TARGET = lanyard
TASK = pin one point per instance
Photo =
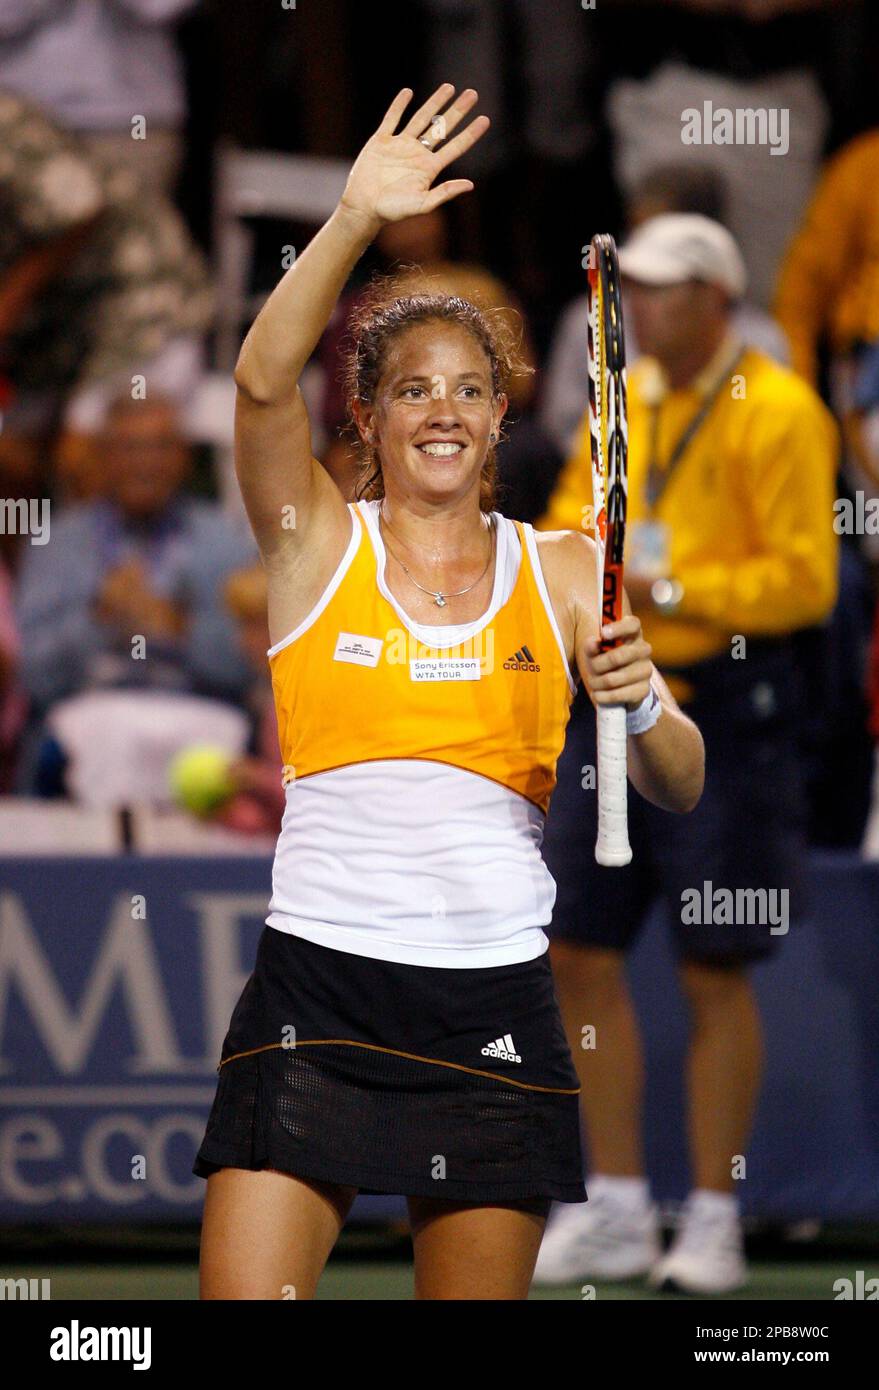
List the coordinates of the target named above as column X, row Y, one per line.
column 659, row 478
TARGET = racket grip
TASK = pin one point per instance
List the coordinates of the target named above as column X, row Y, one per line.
column 612, row 846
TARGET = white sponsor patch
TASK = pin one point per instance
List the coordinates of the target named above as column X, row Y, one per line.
column 362, row 651
column 445, row 668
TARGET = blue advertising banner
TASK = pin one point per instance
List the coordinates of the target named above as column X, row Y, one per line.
column 117, row 980
column 118, row 977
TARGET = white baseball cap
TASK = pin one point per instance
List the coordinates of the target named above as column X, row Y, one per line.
column 679, row 246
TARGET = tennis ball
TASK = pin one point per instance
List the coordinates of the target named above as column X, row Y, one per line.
column 200, row 778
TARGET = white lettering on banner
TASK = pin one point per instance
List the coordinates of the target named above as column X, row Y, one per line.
column 223, row 976
column 29, row 1139
column 126, row 957
column 149, row 1138
column 57, row 1159
column 101, row 1182
column 445, row 668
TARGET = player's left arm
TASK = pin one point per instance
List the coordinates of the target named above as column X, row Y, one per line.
column 666, row 763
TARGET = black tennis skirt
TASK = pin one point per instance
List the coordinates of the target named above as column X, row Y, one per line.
column 414, row 1080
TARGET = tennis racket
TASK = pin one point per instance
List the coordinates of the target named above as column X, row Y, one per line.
column 606, row 358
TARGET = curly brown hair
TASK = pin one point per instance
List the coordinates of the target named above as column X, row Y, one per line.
column 380, row 316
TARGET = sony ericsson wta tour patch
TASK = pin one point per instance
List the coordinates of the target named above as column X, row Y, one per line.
column 362, row 651
column 445, row 668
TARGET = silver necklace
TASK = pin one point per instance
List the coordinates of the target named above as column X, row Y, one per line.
column 437, row 595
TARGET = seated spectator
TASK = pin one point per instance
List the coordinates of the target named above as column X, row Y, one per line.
column 126, row 592
column 666, row 188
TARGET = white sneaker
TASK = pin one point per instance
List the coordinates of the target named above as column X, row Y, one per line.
column 707, row 1255
column 603, row 1238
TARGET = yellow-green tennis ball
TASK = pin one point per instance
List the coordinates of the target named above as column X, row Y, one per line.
column 200, row 778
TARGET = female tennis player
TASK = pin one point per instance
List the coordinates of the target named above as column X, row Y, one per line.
column 400, row 1032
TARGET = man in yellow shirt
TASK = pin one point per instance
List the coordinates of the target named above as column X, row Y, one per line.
column 730, row 549
column 828, row 285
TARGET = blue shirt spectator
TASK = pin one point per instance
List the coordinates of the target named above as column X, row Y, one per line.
column 127, row 591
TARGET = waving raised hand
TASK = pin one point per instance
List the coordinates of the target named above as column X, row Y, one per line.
column 392, row 176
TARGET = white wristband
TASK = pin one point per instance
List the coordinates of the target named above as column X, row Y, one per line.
column 639, row 720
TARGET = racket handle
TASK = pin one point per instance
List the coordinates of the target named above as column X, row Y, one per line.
column 612, row 846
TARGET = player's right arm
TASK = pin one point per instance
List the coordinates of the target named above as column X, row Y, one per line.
column 298, row 516
column 289, row 498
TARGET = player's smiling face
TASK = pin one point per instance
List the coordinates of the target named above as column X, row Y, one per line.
column 434, row 412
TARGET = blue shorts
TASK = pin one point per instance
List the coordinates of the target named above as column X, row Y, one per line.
column 748, row 831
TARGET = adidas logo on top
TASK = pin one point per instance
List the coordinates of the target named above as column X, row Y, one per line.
column 504, row 1048
column 522, row 660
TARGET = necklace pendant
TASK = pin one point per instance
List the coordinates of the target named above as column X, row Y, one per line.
column 440, row 601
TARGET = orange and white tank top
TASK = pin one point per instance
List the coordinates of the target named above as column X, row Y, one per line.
column 419, row 764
